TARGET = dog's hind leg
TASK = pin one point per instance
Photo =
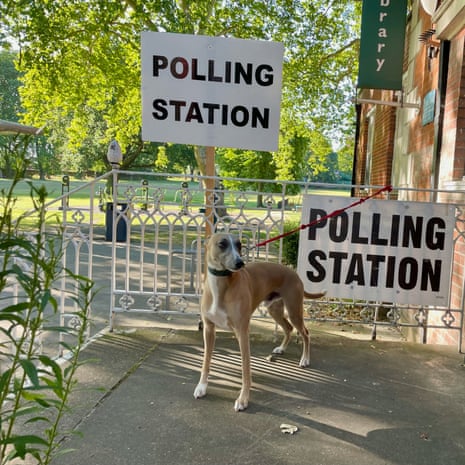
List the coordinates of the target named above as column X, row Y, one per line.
column 209, row 344
column 299, row 324
column 276, row 310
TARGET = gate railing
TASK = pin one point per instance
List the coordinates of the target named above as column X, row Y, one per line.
column 144, row 246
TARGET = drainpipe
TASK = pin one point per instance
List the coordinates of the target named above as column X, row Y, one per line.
column 358, row 111
column 439, row 117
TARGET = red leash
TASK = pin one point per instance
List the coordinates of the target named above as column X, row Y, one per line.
column 323, row 218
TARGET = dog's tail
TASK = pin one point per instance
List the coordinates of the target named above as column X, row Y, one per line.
column 315, row 295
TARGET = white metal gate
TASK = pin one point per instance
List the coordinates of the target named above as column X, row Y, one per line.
column 143, row 247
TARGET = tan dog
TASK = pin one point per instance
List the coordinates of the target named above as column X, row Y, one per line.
column 232, row 291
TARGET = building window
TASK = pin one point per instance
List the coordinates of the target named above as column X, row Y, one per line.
column 370, row 144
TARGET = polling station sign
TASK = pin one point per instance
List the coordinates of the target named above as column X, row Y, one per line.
column 212, row 91
column 381, row 250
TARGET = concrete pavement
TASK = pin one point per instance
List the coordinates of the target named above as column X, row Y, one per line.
column 361, row 402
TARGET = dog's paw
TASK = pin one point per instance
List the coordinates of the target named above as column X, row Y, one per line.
column 200, row 390
column 304, row 362
column 240, row 405
column 278, row 350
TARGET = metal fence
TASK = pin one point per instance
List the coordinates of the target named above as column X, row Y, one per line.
column 143, row 247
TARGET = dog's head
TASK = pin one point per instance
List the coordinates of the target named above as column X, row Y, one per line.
column 224, row 252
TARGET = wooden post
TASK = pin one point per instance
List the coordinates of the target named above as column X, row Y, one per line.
column 209, row 190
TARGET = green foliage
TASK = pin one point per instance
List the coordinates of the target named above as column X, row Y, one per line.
column 81, row 65
column 34, row 387
column 174, row 158
column 10, row 105
column 245, row 164
column 291, row 244
column 9, row 109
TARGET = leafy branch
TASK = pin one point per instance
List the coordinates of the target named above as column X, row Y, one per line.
column 34, row 387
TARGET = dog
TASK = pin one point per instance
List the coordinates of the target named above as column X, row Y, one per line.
column 232, row 291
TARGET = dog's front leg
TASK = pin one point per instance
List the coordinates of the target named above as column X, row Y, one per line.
column 208, row 344
column 242, row 401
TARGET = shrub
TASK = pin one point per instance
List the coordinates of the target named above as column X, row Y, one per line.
column 291, row 244
column 34, row 387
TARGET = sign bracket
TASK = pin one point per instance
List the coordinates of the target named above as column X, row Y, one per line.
column 401, row 104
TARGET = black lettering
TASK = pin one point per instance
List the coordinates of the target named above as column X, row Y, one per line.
column 158, row 62
column 314, row 217
column 408, row 273
column 215, row 113
column 211, row 107
column 374, row 271
column 375, row 239
column 435, row 239
column 194, row 113
column 339, row 227
column 394, row 242
column 433, row 276
column 195, row 72
column 177, row 104
column 159, row 105
column 227, row 72
column 264, row 75
column 412, row 231
column 319, row 273
column 184, row 67
column 235, row 116
column 355, row 272
column 211, row 72
column 390, row 271
column 224, row 115
column 263, row 118
column 244, row 73
column 356, row 238
column 338, row 257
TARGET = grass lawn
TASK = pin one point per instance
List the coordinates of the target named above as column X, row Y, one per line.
column 171, row 188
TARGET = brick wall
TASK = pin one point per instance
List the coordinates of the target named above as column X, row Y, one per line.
column 383, row 142
column 457, row 99
column 417, row 145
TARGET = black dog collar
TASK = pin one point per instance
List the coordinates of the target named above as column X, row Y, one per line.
column 219, row 272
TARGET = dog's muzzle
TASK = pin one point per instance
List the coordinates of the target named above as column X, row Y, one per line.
column 239, row 264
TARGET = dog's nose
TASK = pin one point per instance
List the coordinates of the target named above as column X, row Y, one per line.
column 239, row 263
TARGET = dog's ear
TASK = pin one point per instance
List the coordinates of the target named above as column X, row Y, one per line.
column 206, row 242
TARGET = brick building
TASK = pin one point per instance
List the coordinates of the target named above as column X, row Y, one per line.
column 415, row 137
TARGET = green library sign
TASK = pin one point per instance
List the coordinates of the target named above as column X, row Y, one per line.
column 382, row 44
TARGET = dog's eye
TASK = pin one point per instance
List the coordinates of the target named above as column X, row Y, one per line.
column 238, row 246
column 223, row 245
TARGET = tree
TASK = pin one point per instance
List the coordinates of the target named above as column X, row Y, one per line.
column 9, row 109
column 10, row 105
column 246, row 164
column 82, row 58
column 326, row 165
column 40, row 151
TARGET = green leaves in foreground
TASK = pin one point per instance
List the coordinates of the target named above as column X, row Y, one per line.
column 35, row 386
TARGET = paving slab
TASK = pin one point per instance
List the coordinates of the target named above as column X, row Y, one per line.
column 361, row 402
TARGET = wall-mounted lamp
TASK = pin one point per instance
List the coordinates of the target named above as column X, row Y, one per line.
column 432, row 47
column 433, row 51
column 114, row 154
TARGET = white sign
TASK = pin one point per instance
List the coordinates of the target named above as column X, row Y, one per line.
column 211, row 91
column 381, row 250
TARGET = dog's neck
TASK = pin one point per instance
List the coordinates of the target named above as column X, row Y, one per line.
column 221, row 273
